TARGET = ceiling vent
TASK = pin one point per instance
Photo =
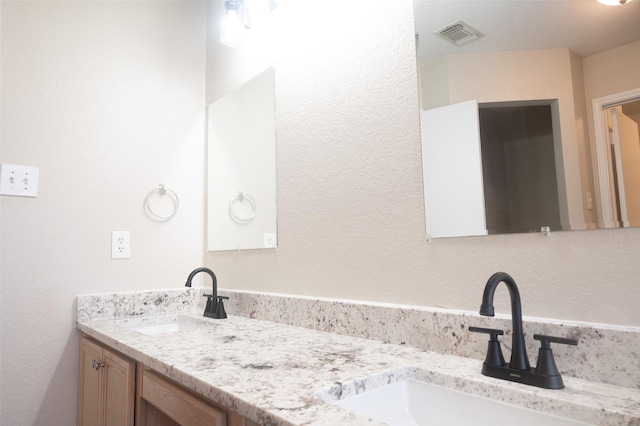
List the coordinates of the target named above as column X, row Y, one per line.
column 459, row 33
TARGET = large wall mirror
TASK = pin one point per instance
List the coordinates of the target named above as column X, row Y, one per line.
column 241, row 182
column 506, row 112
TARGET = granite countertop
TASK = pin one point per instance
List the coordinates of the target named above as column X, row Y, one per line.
column 278, row 374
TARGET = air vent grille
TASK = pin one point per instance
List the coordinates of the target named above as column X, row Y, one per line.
column 459, row 33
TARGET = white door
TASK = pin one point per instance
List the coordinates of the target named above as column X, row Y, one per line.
column 625, row 139
column 452, row 171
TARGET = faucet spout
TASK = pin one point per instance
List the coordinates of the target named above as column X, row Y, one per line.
column 215, row 307
column 519, row 359
column 208, row 271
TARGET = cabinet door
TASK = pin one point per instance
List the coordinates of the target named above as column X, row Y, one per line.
column 106, row 387
column 89, row 384
column 119, row 389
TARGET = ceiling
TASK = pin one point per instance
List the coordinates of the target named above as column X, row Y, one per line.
column 584, row 26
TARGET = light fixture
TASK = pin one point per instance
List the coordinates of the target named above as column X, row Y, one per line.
column 613, row 2
column 241, row 15
column 232, row 24
column 255, row 11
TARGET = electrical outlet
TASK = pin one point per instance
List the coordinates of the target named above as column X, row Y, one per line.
column 120, row 244
column 19, row 181
column 270, row 240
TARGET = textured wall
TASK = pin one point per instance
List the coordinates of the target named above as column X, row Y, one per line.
column 350, row 209
column 107, row 99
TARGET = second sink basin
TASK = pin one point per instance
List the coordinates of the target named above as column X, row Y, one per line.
column 411, row 402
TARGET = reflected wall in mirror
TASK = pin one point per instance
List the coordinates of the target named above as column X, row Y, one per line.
column 558, row 53
column 242, row 167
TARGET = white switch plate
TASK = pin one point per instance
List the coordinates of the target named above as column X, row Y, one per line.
column 120, row 244
column 18, row 181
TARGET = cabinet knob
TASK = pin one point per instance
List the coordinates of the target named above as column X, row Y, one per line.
column 97, row 365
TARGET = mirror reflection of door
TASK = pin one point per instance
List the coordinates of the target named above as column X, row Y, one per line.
column 501, row 167
column 451, row 154
column 624, row 132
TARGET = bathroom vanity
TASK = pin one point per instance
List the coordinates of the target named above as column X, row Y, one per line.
column 112, row 384
column 246, row 371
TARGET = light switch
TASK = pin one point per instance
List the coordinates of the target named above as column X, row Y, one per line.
column 18, row 181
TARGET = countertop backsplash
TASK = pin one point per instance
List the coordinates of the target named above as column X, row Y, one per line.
column 605, row 353
column 137, row 303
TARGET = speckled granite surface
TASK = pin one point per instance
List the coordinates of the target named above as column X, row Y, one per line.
column 277, row 374
column 137, row 303
column 604, row 353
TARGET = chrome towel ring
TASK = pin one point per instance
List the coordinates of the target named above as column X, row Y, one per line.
column 242, row 197
column 161, row 191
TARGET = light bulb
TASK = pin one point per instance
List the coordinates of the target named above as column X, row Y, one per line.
column 232, row 25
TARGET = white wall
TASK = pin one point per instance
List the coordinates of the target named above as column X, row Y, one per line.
column 597, row 71
column 229, row 68
column 107, row 99
column 350, row 215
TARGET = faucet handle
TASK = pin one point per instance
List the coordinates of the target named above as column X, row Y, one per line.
column 220, row 312
column 494, row 352
column 210, row 296
column 492, row 332
column 546, row 364
column 545, row 340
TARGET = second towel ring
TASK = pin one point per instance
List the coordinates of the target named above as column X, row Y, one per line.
column 161, row 191
column 241, row 197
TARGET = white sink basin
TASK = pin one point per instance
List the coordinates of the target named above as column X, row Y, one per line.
column 169, row 324
column 170, row 327
column 410, row 402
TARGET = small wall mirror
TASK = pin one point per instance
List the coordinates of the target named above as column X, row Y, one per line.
column 242, row 167
column 505, row 116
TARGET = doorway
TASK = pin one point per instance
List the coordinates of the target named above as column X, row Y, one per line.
column 617, row 164
column 624, row 137
column 519, row 167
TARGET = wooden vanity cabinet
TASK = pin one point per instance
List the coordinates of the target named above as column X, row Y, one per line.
column 106, row 386
column 115, row 391
column 162, row 402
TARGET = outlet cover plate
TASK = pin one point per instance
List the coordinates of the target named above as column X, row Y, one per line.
column 120, row 244
column 270, row 240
